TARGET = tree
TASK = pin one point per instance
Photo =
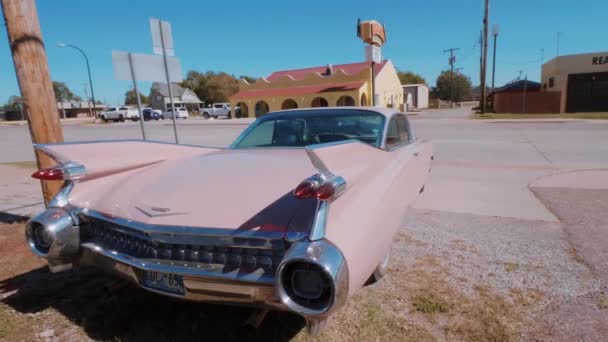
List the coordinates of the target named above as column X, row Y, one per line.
column 15, row 103
column 131, row 98
column 461, row 87
column 211, row 86
column 408, row 77
column 63, row 93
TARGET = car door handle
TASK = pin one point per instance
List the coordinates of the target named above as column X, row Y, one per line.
column 416, row 154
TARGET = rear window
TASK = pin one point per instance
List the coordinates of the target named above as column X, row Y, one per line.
column 314, row 127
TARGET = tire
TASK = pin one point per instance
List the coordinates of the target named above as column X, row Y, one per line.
column 206, row 115
column 215, row 116
column 104, row 119
column 380, row 270
column 121, row 118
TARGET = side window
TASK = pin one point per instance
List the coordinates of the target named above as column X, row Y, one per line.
column 260, row 135
column 404, row 129
column 392, row 134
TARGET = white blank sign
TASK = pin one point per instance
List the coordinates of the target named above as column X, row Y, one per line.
column 155, row 28
column 147, row 67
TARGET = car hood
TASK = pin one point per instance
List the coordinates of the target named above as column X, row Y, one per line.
column 229, row 189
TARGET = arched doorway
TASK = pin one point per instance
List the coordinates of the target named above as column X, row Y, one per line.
column 261, row 108
column 345, row 101
column 241, row 110
column 363, row 99
column 289, row 104
column 319, row 102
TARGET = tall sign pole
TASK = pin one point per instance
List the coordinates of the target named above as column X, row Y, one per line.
column 485, row 56
column 372, row 33
column 31, row 67
column 141, row 115
column 173, row 114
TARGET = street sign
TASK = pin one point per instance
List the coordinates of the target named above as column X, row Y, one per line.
column 146, row 67
column 161, row 32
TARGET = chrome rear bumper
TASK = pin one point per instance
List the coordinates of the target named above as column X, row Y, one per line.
column 199, row 285
column 241, row 267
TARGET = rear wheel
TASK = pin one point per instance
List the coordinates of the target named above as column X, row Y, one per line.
column 206, row 115
column 121, row 118
column 104, row 119
column 380, row 270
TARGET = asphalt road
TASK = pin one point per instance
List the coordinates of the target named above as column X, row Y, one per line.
column 511, row 205
column 481, row 167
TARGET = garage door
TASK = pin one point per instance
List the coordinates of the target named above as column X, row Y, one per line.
column 587, row 92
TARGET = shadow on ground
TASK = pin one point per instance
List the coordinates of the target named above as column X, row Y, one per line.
column 112, row 309
column 12, row 218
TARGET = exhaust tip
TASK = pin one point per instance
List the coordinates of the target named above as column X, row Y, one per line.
column 52, row 234
column 39, row 238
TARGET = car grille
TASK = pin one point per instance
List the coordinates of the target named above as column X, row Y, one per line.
column 231, row 253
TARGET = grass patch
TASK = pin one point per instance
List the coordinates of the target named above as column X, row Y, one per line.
column 511, row 266
column 27, row 164
column 489, row 318
column 14, row 326
column 430, row 303
column 602, row 301
column 589, row 116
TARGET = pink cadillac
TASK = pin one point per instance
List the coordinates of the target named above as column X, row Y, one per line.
column 299, row 214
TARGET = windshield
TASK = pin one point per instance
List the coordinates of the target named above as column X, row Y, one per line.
column 297, row 129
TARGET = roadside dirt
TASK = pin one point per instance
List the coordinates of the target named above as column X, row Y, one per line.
column 452, row 277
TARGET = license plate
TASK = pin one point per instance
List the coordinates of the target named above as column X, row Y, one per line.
column 166, row 282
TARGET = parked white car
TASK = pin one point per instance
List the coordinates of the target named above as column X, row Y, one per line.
column 217, row 110
column 181, row 113
column 120, row 114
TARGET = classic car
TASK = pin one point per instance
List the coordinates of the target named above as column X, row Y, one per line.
column 299, row 215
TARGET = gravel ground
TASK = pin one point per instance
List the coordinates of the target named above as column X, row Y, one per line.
column 501, row 252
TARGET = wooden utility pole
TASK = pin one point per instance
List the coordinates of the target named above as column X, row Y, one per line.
column 451, row 61
column 485, row 56
column 31, row 67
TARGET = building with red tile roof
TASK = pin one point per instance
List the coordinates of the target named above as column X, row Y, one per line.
column 322, row 86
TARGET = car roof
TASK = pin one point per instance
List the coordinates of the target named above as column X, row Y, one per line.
column 387, row 112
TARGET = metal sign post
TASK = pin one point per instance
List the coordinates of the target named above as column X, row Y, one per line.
column 162, row 42
column 141, row 114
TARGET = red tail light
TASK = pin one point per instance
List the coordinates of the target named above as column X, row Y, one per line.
column 53, row 173
column 323, row 190
column 67, row 171
column 305, row 190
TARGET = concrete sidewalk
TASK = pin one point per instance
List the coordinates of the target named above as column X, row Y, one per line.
column 20, row 195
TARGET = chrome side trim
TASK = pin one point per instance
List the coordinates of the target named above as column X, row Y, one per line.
column 44, row 147
column 62, row 198
column 327, row 256
column 73, row 170
column 318, row 227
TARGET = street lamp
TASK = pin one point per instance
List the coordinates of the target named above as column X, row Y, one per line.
column 62, row 45
column 495, row 30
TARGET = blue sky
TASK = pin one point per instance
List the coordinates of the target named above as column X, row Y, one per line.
column 257, row 37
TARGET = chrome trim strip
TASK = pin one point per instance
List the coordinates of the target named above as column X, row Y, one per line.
column 184, row 269
column 326, row 255
column 62, row 198
column 73, row 170
column 45, row 146
column 318, row 227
